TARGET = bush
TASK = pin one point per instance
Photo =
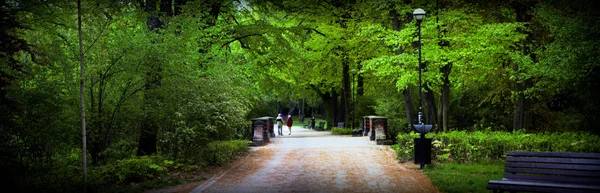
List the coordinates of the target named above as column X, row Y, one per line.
column 483, row 146
column 221, row 152
column 130, row 170
column 341, row 131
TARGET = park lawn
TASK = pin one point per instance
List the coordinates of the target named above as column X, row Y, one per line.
column 464, row 177
column 306, row 121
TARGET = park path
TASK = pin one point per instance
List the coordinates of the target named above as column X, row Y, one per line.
column 316, row 161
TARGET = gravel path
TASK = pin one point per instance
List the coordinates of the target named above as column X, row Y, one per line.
column 313, row 161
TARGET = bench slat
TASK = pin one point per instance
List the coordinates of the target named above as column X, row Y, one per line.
column 540, row 187
column 554, row 154
column 553, row 160
column 553, row 172
column 567, row 179
column 553, row 166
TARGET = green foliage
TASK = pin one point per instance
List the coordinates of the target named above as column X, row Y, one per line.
column 341, row 131
column 464, row 146
column 463, row 177
column 130, row 170
column 221, row 152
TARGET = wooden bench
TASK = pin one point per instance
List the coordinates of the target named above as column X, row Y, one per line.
column 549, row 172
column 340, row 124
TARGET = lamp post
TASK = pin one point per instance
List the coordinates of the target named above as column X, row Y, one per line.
column 419, row 15
column 422, row 145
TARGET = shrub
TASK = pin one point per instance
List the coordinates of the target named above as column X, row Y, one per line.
column 482, row 146
column 130, row 170
column 341, row 131
column 221, row 152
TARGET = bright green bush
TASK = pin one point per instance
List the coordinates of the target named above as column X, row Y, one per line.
column 130, row 170
column 482, row 146
column 341, row 131
column 221, row 152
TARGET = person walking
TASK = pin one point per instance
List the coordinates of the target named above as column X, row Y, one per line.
column 279, row 122
column 289, row 123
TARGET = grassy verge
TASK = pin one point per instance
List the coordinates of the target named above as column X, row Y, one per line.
column 341, row 131
column 306, row 121
column 464, row 177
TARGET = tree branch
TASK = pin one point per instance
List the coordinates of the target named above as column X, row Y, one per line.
column 238, row 38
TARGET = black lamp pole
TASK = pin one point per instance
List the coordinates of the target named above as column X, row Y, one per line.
column 420, row 69
column 419, row 15
column 422, row 146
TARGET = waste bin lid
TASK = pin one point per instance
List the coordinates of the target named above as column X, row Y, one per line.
column 262, row 118
column 423, row 128
column 375, row 117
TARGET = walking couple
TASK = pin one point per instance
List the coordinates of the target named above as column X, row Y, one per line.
column 288, row 122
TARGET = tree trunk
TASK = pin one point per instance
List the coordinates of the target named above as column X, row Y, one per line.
column 333, row 105
column 149, row 127
column 446, row 69
column 360, row 84
column 408, row 104
column 345, row 102
column 301, row 112
column 430, row 108
column 81, row 98
column 521, row 114
column 178, row 5
column 446, row 98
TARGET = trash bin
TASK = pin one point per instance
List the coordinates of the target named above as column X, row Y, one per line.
column 422, row 145
column 366, row 127
column 422, row 151
column 259, row 133
column 376, row 128
column 269, row 125
column 380, row 128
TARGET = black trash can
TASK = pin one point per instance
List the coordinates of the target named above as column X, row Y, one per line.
column 422, row 151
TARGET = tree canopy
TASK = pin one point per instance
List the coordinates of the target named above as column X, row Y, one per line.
column 168, row 77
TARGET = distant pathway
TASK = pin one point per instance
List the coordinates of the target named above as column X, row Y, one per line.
column 313, row 161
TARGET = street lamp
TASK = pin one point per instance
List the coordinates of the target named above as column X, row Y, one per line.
column 422, row 146
column 419, row 15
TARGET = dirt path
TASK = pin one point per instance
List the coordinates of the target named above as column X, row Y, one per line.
column 311, row 161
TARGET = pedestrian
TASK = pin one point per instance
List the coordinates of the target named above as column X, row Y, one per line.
column 289, row 123
column 279, row 122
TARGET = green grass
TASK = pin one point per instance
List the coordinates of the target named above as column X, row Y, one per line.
column 341, row 131
column 464, row 177
column 306, row 121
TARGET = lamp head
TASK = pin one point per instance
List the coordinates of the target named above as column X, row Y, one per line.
column 419, row 14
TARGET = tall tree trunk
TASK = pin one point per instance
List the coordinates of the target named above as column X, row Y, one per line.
column 446, row 69
column 360, row 84
column 345, row 102
column 149, row 126
column 81, row 98
column 430, row 107
column 166, row 7
column 178, row 4
column 408, row 104
column 301, row 111
column 445, row 98
column 292, row 106
column 333, row 106
column 521, row 114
